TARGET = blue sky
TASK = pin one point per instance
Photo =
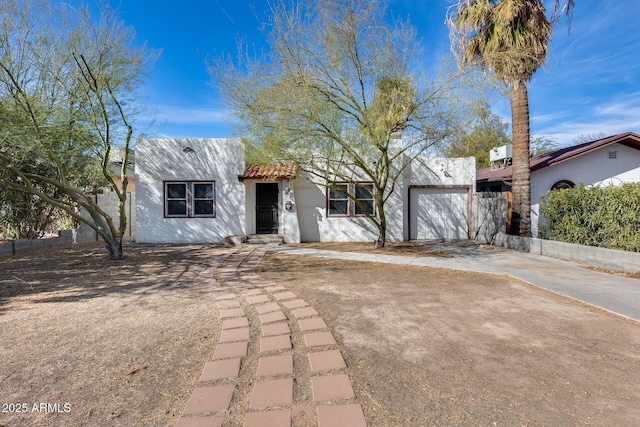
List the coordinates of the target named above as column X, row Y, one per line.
column 590, row 83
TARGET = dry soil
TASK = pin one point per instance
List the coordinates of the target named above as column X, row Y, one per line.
column 103, row 343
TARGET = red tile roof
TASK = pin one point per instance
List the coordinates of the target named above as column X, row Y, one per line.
column 552, row 158
column 271, row 172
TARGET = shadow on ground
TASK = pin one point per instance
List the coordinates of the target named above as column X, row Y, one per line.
column 84, row 272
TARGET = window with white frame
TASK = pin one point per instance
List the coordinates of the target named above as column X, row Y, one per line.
column 187, row 199
column 350, row 199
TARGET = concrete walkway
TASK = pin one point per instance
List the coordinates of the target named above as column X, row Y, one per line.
column 612, row 293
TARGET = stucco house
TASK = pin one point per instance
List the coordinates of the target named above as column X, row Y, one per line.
column 200, row 191
column 608, row 161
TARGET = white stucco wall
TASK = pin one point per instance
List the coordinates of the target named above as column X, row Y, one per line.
column 250, row 206
column 594, row 168
column 289, row 226
column 443, row 171
column 160, row 160
column 311, row 204
column 315, row 226
column 222, row 161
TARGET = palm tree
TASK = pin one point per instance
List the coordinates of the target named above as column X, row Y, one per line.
column 509, row 38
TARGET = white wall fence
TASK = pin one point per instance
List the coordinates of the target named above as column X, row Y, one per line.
column 84, row 234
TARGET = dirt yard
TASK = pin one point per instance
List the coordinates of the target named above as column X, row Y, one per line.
column 437, row 347
column 103, row 343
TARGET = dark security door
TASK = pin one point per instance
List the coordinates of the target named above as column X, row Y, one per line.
column 267, row 208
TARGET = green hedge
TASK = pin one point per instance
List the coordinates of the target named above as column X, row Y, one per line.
column 607, row 217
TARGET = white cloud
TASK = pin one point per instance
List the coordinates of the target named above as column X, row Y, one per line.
column 626, row 106
column 552, row 117
column 620, row 114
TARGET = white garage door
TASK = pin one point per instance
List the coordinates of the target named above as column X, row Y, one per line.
column 439, row 213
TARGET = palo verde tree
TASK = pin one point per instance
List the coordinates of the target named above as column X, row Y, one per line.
column 337, row 85
column 67, row 86
column 509, row 38
column 22, row 215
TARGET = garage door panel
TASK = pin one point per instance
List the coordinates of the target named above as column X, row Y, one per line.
column 439, row 213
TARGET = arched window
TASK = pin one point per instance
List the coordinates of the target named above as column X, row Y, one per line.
column 564, row 184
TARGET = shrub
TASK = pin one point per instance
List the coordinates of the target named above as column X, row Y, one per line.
column 607, row 217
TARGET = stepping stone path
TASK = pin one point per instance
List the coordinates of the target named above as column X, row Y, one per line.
column 276, row 363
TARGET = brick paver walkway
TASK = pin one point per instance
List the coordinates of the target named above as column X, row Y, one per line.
column 275, row 359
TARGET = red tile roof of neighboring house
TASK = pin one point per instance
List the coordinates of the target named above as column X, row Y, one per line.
column 270, row 172
column 551, row 158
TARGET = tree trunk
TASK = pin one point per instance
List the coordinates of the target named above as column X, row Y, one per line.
column 114, row 247
column 521, row 175
column 381, row 223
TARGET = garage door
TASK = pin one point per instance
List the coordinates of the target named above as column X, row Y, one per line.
column 439, row 213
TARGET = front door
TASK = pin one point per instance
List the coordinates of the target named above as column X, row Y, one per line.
column 267, row 208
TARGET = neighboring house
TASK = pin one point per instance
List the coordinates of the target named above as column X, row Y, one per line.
column 199, row 190
column 608, row 161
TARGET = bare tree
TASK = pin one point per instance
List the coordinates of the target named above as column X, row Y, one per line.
column 336, row 88
column 542, row 144
column 588, row 137
column 70, row 80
